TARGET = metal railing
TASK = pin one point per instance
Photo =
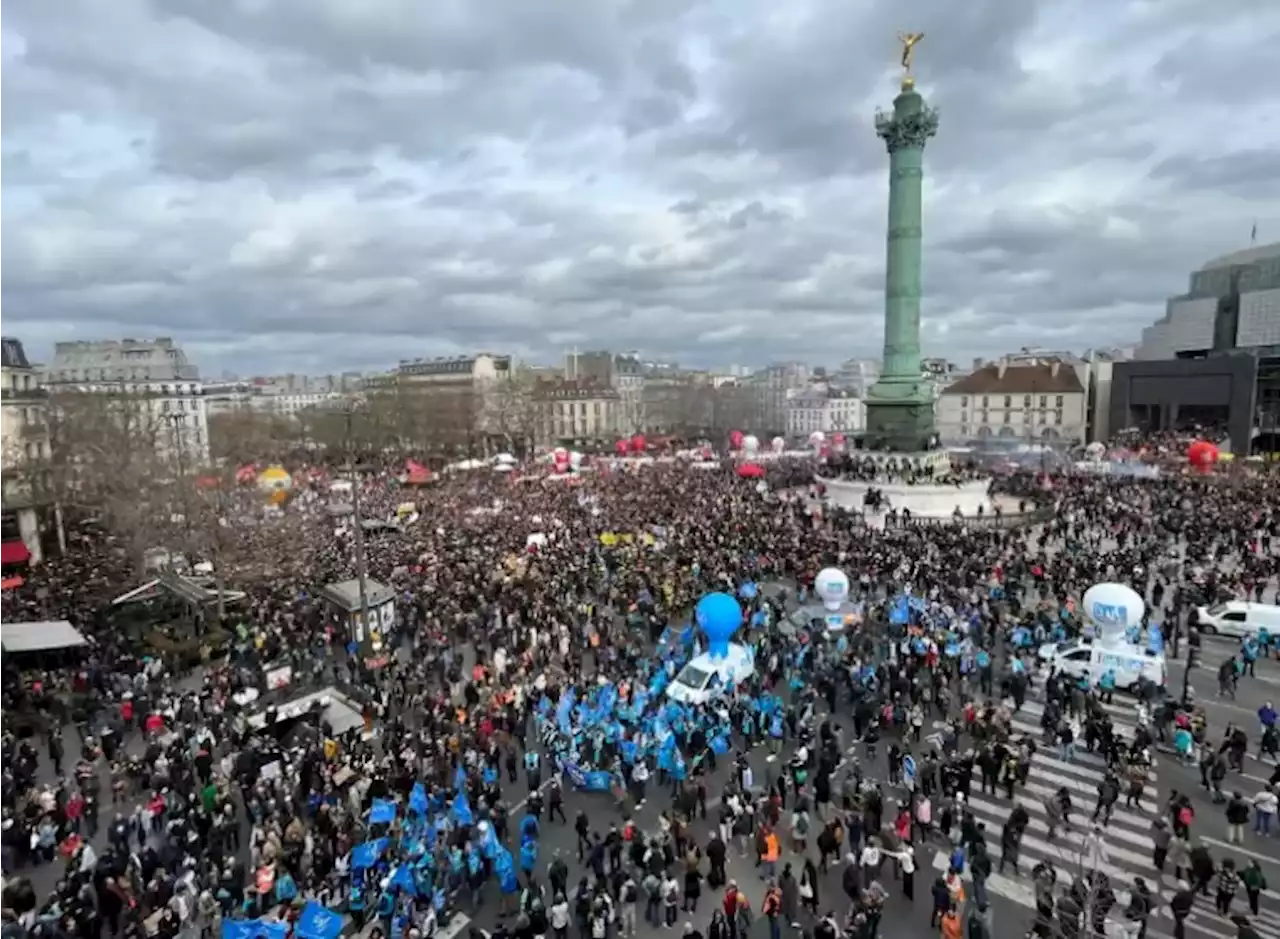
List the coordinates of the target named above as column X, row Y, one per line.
column 990, row 520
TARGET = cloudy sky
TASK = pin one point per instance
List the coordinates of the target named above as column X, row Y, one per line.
column 312, row 185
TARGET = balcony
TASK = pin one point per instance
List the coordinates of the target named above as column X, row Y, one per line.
column 23, row 395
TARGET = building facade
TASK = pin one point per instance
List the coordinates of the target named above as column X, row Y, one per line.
column 1219, row 395
column 1232, row 302
column 771, row 388
column 581, row 414
column 280, row 395
column 24, row 444
column 856, row 376
column 154, row 375
column 468, row 371
column 1038, row 403
column 628, row 381
column 826, row 409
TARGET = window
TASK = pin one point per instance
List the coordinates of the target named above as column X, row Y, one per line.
column 1026, row 401
column 1008, row 416
column 1044, row 401
column 964, row 417
column 1058, row 402
column 964, row 401
column 1043, row 418
column 1057, row 417
column 964, row 430
column 1008, row 401
column 985, row 418
column 1026, row 417
column 985, row 401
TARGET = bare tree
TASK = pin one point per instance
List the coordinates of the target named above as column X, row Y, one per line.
column 693, row 409
column 109, row 457
column 246, row 435
column 509, row 413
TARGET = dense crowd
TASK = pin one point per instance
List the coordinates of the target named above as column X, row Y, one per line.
column 162, row 812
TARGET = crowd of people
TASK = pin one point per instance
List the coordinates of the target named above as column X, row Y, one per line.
column 160, row 810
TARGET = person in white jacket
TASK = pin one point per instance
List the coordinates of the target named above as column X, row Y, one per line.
column 1265, row 804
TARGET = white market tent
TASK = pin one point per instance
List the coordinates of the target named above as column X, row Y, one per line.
column 40, row 637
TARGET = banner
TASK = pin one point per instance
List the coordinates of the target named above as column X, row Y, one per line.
column 254, row 929
column 587, row 780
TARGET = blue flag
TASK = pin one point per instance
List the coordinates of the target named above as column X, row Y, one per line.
column 383, row 812
column 418, row 799
column 367, row 854
column 462, row 810
column 318, row 922
column 459, row 778
column 402, row 877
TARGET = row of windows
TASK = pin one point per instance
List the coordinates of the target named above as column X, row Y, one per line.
column 984, row 417
column 566, row 408
column 1047, row 433
column 1058, row 401
column 164, row 391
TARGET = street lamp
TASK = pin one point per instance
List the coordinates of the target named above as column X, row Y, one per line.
column 357, row 521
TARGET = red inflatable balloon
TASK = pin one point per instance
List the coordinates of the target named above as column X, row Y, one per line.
column 751, row 471
column 638, row 443
column 735, row 439
column 1202, row 453
column 621, row 447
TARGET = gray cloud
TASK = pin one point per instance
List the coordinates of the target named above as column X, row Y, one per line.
column 316, row 185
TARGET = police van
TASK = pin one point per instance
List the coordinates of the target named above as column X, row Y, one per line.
column 1093, row 658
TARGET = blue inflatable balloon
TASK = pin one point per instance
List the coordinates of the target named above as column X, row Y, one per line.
column 718, row 616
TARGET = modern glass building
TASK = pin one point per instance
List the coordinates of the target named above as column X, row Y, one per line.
column 1233, row 304
column 1213, row 359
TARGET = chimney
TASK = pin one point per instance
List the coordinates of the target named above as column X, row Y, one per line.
column 1002, row 367
column 1053, row 368
column 977, row 363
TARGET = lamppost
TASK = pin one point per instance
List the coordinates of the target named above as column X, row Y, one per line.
column 358, row 523
column 177, row 430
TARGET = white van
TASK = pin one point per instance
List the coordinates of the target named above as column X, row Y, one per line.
column 1092, row 659
column 705, row 678
column 1239, row 619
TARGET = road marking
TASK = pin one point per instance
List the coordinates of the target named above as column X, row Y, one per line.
column 1226, row 846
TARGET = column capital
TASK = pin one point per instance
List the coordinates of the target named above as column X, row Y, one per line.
column 910, row 125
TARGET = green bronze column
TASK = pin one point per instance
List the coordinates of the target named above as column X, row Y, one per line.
column 900, row 404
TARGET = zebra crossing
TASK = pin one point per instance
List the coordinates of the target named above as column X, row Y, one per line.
column 1127, row 846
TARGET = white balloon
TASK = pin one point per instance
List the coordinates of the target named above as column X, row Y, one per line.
column 778, row 444
column 817, row 437
column 1113, row 608
column 750, row 443
column 575, row 459
column 832, row 587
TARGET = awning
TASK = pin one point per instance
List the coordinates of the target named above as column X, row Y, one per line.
column 14, row 552
column 39, row 637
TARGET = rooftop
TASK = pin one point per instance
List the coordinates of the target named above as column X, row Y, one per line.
column 1002, row 378
column 1245, row 256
